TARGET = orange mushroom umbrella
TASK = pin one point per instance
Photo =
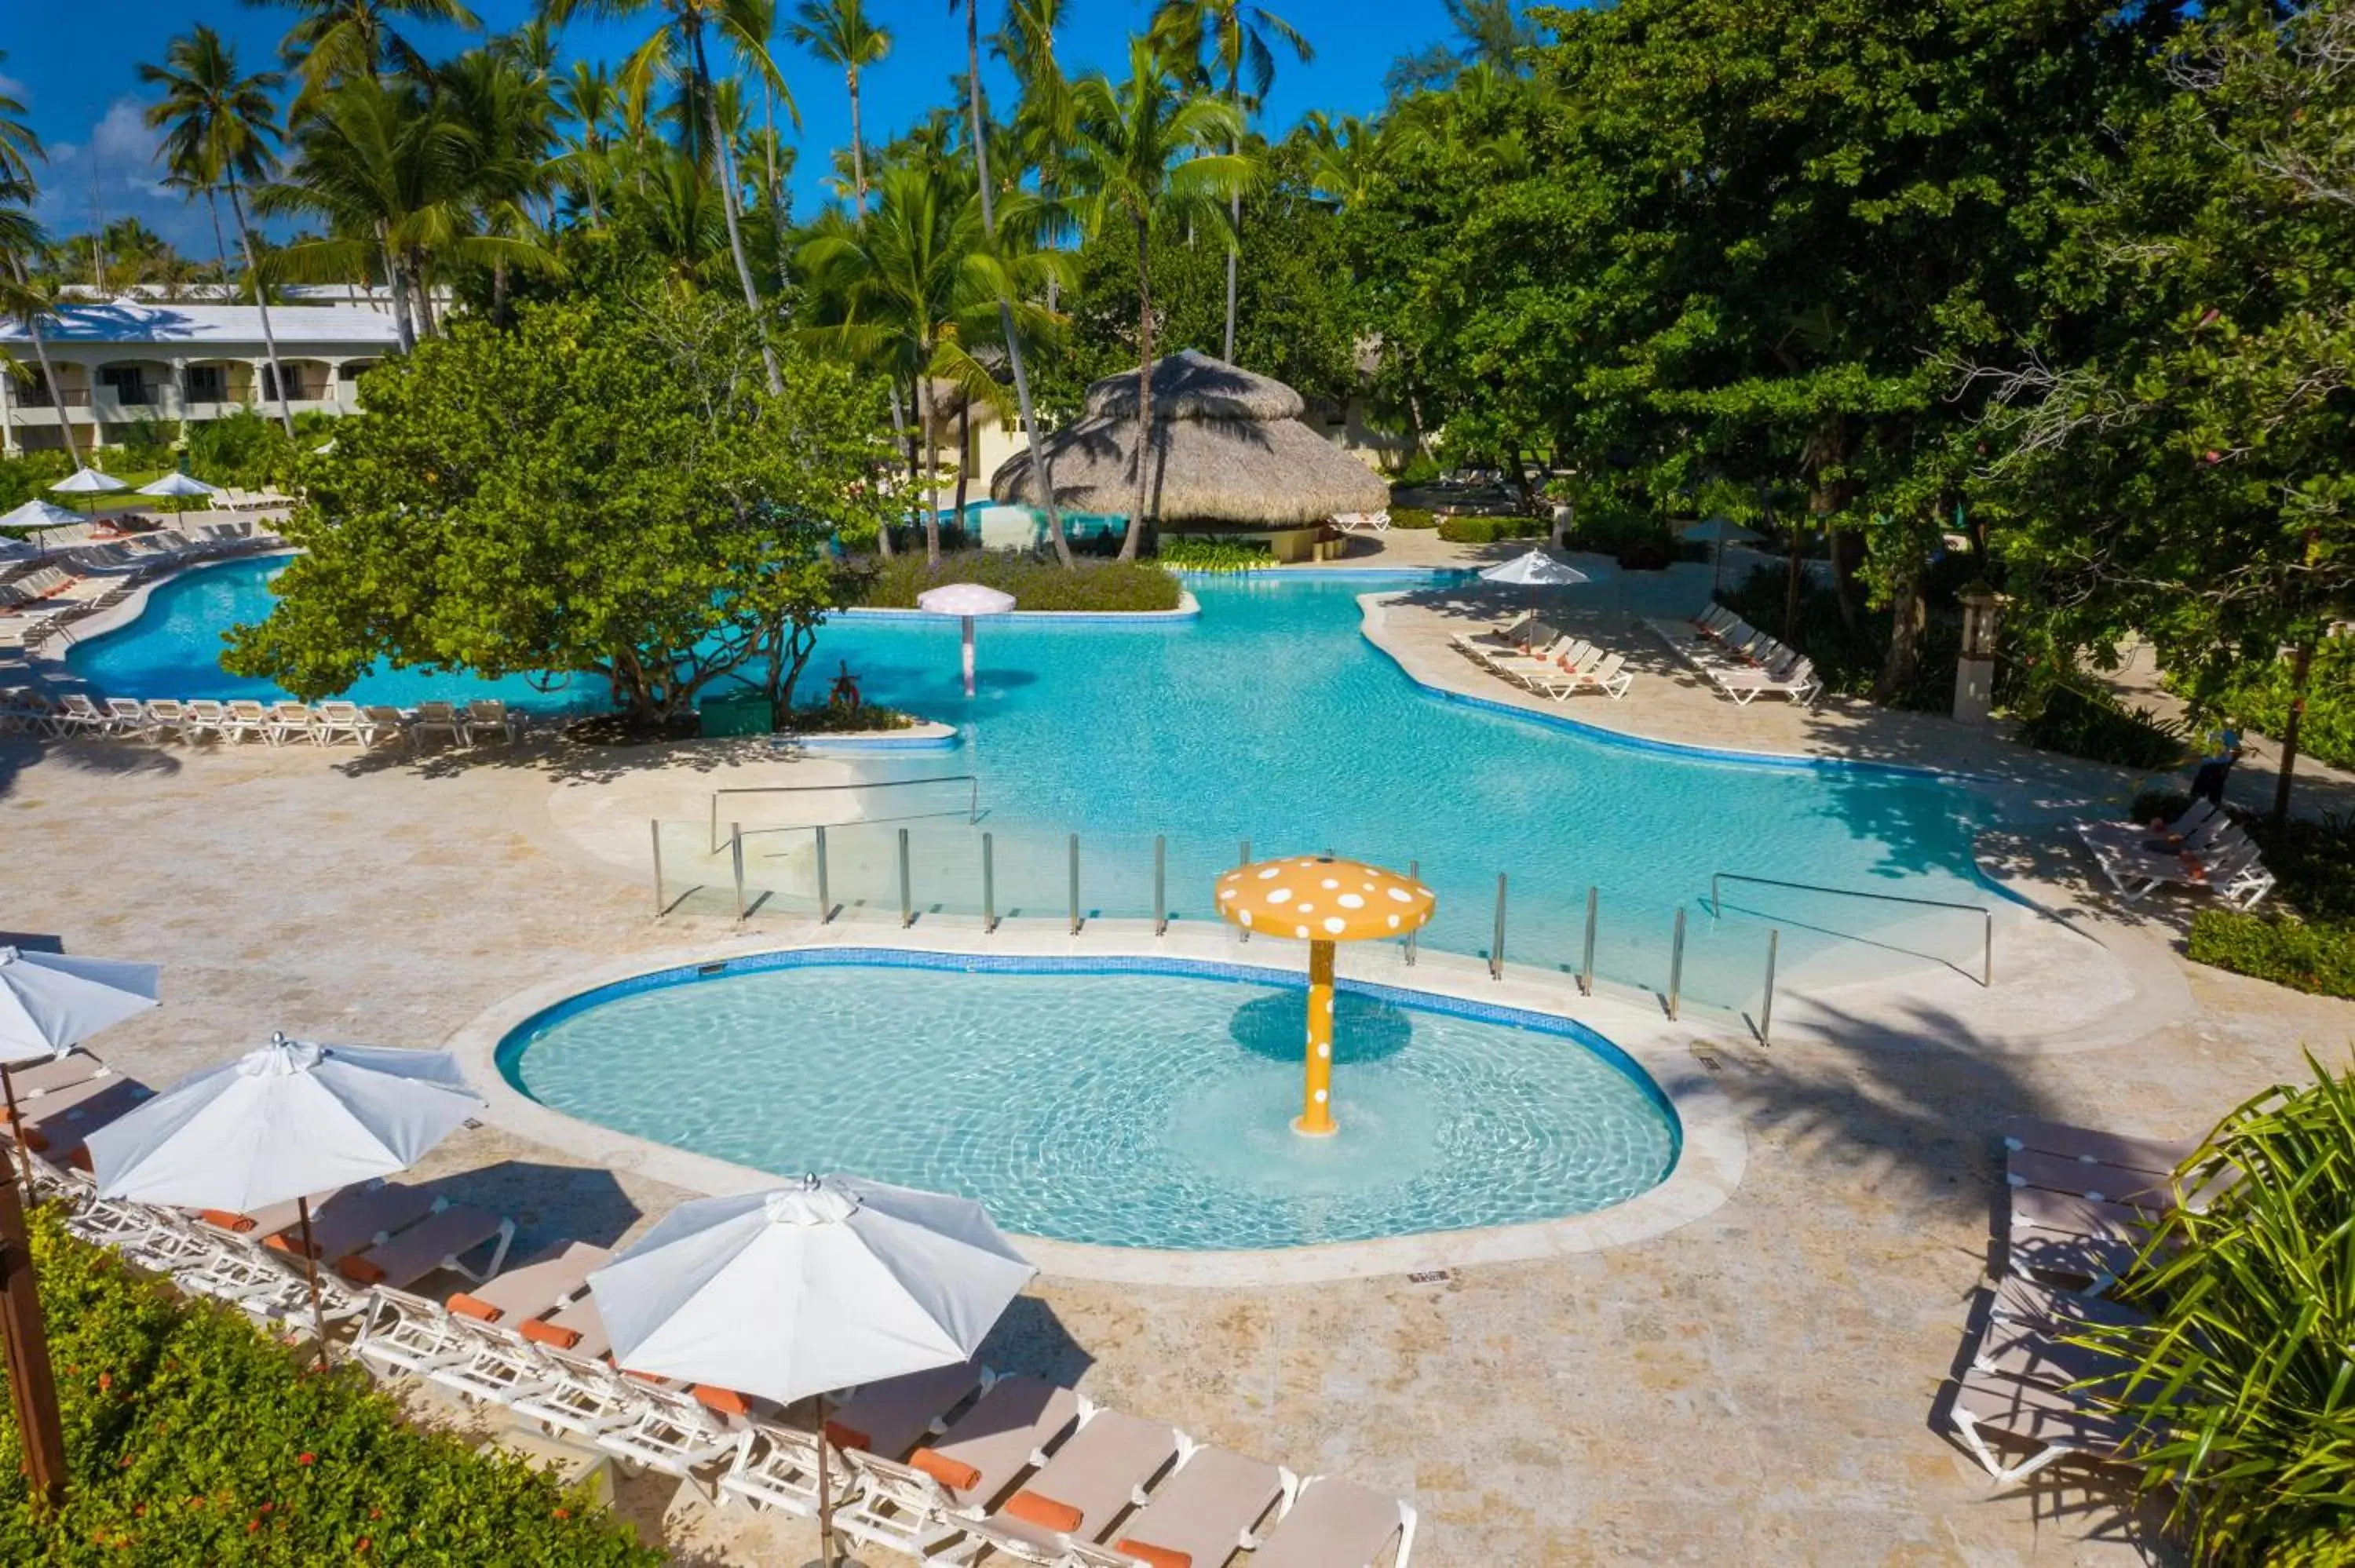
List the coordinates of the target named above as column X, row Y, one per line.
column 1320, row 900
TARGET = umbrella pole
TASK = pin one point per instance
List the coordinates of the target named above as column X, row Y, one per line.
column 1315, row 1120
column 32, row 1384
column 17, row 1130
column 311, row 1271
column 968, row 655
column 825, row 1492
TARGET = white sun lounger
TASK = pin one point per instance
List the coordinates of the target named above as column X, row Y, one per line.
column 290, row 721
column 1202, row 1515
column 2054, row 1424
column 999, row 1438
column 1089, row 1483
column 1337, row 1524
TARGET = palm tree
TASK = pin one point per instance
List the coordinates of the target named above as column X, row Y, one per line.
column 221, row 127
column 335, row 40
column 586, row 97
column 508, row 113
column 1236, row 36
column 19, row 149
column 20, row 239
column 911, row 289
column 744, row 26
column 1144, row 156
column 837, row 32
column 979, row 136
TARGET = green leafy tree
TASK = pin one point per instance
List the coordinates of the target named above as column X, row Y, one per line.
column 1145, row 156
column 605, row 493
column 221, row 127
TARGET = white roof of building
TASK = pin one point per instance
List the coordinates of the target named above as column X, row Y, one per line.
column 157, row 323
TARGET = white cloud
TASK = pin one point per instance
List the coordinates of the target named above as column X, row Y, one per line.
column 112, row 173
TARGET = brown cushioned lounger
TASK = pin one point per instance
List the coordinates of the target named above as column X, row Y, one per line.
column 1094, row 1478
column 38, row 1080
column 550, row 1278
column 888, row 1418
column 2158, row 1155
column 55, row 1125
column 435, row 1241
column 2060, row 1312
column 988, row 1445
column 577, row 1328
column 1200, row 1517
column 356, row 1221
column 2053, row 1421
column 2144, row 1189
column 36, row 1109
column 1336, row 1524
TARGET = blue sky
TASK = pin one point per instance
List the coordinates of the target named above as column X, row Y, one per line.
column 74, row 64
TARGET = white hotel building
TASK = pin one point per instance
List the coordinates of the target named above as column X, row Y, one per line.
column 130, row 360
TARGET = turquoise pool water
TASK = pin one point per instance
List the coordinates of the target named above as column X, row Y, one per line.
column 1118, row 1109
column 1271, row 718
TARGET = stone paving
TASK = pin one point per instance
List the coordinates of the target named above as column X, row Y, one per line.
column 1757, row 1386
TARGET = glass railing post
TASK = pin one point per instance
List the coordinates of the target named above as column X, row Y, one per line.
column 989, row 887
column 825, row 903
column 1766, row 1008
column 736, row 853
column 661, row 906
column 1160, row 884
column 1676, row 962
column 907, row 902
column 1075, row 885
column 1586, row 964
column 1496, row 943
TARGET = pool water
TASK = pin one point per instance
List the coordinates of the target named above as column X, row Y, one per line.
column 1141, row 1109
column 1271, row 718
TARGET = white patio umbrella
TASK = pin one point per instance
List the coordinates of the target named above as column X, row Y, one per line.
column 1719, row 531
column 965, row 601
column 39, row 513
column 1534, row 569
column 87, row 481
column 50, row 1002
column 799, row 1291
column 179, row 483
column 285, row 1121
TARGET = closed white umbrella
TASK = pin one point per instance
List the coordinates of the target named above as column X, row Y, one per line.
column 965, row 601
column 287, row 1120
column 1719, row 531
column 179, row 483
column 803, row 1290
column 50, row 1002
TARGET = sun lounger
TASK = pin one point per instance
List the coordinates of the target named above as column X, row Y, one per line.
column 246, row 720
column 165, row 716
column 2158, row 1155
column 438, row 718
column 1798, row 683
column 206, row 717
column 128, row 715
column 46, row 1074
column 889, row 1417
column 896, row 1507
column 776, row 1466
column 2124, row 833
column 442, row 1239
column 290, row 721
column 77, row 715
column 359, row 1220
column 1201, row 1516
column 332, row 722
column 412, row 1333
column 986, row 1447
column 548, row 1368
column 1100, row 1472
column 56, row 1126
column 1608, row 672
column 672, row 1431
column 575, row 1396
column 488, row 717
column 2053, row 1423
column 2060, row 1312
column 1337, row 1524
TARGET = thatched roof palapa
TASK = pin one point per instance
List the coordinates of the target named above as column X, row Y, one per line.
column 1228, row 447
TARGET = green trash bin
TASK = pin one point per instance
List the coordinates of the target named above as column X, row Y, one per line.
column 744, row 713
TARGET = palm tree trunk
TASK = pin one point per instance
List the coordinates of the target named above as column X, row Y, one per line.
column 727, row 205
column 1235, row 212
column 2301, row 671
column 220, row 245
column 402, row 325
column 48, row 374
column 1128, row 543
column 428, row 325
column 857, row 149
column 262, row 303
column 775, row 191
column 932, row 467
column 964, row 453
column 899, row 434
column 1041, row 467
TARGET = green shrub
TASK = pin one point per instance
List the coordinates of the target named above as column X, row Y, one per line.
column 1195, row 553
column 1036, row 584
column 2260, row 700
column 1608, row 532
column 841, row 718
column 2094, row 726
column 192, row 1438
column 242, row 449
column 2317, row 957
column 1485, row 530
column 1413, row 517
column 2242, row 1373
column 29, row 476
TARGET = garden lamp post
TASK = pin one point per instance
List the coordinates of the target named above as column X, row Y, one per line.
column 1321, row 901
column 1975, row 670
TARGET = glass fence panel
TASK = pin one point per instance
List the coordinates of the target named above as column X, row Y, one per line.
column 1836, row 935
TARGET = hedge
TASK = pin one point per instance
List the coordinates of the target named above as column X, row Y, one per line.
column 2317, row 957
column 1413, row 517
column 1036, row 584
column 2098, row 728
column 1485, row 530
column 193, row 1438
column 1195, row 553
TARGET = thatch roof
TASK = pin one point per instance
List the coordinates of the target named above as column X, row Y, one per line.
column 1228, row 447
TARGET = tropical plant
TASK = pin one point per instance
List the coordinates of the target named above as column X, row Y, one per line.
column 20, row 240
column 837, row 32
column 585, row 95
column 1145, row 156
column 333, row 41
column 1233, row 39
column 2243, row 1377
column 220, row 129
column 20, row 149
column 508, row 115
column 685, row 35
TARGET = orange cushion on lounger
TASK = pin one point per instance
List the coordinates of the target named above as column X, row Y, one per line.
column 726, row 1400
column 286, row 1242
column 1044, row 1512
column 1153, row 1556
column 226, row 1220
column 549, row 1334
column 843, row 1437
column 467, row 1305
column 954, row 1474
column 359, row 1270
column 79, row 1159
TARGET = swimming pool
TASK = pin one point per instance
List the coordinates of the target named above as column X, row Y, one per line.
column 1119, row 1103
column 1270, row 717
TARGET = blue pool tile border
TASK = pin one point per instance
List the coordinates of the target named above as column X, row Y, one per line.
column 512, row 1045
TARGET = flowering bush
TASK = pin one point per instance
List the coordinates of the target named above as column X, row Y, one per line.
column 193, row 1438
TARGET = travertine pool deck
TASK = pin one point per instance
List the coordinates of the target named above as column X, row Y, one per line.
column 1754, row 1386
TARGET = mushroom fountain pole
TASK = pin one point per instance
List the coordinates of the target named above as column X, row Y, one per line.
column 1322, row 901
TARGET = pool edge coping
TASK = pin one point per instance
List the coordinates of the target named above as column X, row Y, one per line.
column 1714, row 1149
